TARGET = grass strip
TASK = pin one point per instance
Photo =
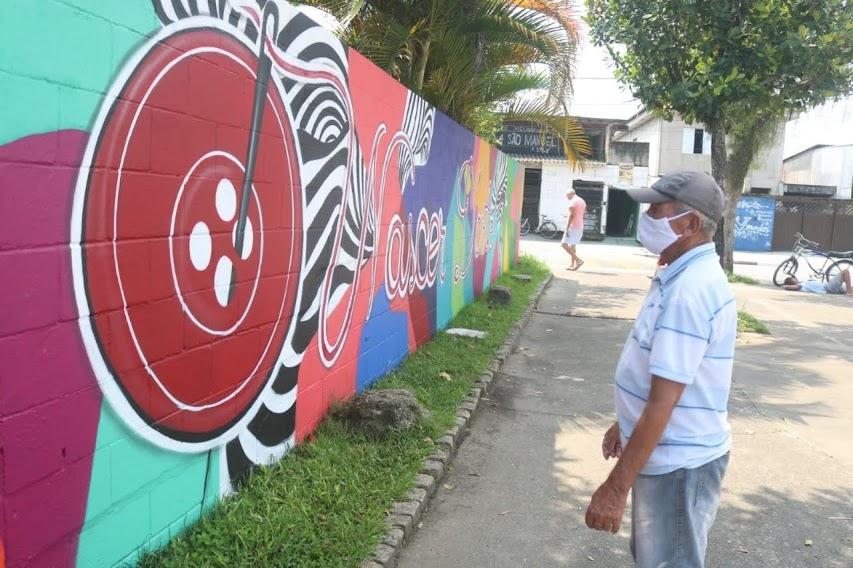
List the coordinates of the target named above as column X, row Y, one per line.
column 747, row 323
column 324, row 504
column 739, row 279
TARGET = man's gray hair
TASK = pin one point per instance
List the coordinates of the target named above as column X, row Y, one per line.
column 709, row 226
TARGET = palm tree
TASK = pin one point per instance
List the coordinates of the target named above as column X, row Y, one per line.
column 480, row 61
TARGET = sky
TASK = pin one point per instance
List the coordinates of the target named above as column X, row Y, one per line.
column 598, row 94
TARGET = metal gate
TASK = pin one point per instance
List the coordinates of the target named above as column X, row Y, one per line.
column 826, row 221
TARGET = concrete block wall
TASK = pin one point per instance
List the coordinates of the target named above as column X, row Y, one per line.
column 146, row 363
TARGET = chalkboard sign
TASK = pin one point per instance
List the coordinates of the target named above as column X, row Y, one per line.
column 754, row 223
column 528, row 139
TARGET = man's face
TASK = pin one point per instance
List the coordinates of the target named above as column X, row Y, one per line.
column 686, row 225
column 570, row 194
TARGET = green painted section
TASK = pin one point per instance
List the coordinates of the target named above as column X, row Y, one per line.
column 510, row 241
column 60, row 56
column 444, row 286
column 461, row 250
column 140, row 495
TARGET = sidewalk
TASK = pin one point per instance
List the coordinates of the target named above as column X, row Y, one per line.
column 627, row 259
column 520, row 484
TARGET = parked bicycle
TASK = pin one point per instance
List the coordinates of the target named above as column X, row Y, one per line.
column 816, row 262
column 546, row 227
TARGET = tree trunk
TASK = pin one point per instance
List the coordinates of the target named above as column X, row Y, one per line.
column 745, row 138
column 480, row 56
column 724, row 239
column 421, row 68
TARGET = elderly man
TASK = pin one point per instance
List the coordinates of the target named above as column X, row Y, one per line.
column 672, row 436
column 574, row 227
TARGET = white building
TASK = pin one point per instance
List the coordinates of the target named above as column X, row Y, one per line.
column 821, row 170
column 602, row 180
column 675, row 145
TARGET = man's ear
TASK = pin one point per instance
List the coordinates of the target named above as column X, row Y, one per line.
column 694, row 223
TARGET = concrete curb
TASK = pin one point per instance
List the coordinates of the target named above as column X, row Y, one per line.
column 405, row 516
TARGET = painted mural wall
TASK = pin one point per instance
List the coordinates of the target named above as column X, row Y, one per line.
column 215, row 219
column 754, row 223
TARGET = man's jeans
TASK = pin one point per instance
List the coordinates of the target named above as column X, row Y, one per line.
column 672, row 514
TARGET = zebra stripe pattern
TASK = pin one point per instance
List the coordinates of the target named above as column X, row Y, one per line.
column 322, row 127
column 497, row 199
column 173, row 10
column 322, row 134
column 418, row 124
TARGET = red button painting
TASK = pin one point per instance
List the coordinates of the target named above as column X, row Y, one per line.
column 190, row 328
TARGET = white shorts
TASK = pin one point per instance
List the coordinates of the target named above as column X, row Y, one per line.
column 572, row 236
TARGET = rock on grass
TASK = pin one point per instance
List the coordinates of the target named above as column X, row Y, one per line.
column 377, row 412
column 500, row 295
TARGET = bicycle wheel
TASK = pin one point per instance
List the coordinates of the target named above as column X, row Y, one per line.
column 548, row 230
column 836, row 268
column 525, row 226
column 787, row 268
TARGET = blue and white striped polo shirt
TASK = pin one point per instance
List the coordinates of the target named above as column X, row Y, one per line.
column 685, row 332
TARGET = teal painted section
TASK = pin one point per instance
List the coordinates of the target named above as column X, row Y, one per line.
column 487, row 273
column 140, row 496
column 74, row 48
column 446, row 291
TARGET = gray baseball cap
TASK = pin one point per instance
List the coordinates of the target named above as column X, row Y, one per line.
column 695, row 189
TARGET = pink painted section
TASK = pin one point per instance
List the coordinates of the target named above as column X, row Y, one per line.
column 49, row 399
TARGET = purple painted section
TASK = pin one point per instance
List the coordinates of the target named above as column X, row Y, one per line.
column 49, row 402
column 37, row 174
column 452, row 145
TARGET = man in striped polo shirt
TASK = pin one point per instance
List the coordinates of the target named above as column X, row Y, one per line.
column 672, row 436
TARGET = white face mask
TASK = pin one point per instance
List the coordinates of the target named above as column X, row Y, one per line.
column 657, row 234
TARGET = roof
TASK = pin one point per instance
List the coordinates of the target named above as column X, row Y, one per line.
column 579, row 119
column 813, row 148
column 548, row 160
column 641, row 117
column 636, row 114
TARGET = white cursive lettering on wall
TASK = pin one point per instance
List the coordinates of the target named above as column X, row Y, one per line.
column 485, row 224
column 414, row 256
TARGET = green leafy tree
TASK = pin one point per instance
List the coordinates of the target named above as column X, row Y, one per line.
column 476, row 60
column 740, row 67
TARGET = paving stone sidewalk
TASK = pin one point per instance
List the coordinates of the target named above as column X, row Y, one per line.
column 518, row 488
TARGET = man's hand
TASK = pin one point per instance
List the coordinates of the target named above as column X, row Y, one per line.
column 606, row 508
column 608, row 503
column 611, row 446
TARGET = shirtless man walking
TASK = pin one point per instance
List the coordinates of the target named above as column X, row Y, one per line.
column 574, row 227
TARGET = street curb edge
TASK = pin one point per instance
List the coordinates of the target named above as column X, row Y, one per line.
column 405, row 516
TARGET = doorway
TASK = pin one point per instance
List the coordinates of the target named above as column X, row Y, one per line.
column 593, row 193
column 532, row 193
column 622, row 213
